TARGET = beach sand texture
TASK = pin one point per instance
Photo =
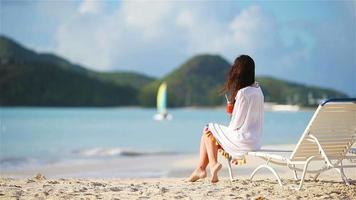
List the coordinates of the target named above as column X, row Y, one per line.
column 173, row 186
column 168, row 188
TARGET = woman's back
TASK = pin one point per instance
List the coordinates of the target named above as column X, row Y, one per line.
column 247, row 117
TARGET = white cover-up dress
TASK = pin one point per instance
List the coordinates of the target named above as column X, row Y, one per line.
column 245, row 129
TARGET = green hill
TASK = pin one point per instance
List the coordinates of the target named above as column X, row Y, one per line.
column 31, row 79
column 195, row 83
column 28, row 78
column 198, row 81
column 14, row 53
column 286, row 92
column 42, row 84
column 132, row 79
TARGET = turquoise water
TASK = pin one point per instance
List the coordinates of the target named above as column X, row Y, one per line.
column 57, row 133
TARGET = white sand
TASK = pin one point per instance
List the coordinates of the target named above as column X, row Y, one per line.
column 63, row 181
column 167, row 188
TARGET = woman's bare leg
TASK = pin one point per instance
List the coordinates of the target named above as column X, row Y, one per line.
column 203, row 160
column 200, row 171
column 212, row 151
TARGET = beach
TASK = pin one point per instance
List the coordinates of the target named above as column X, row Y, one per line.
column 99, row 154
column 56, row 182
column 131, row 99
column 168, row 188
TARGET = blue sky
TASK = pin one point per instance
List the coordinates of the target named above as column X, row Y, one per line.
column 310, row 42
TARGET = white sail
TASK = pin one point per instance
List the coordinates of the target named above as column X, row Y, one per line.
column 162, row 99
column 162, row 103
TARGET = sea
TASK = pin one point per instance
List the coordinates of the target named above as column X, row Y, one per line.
column 32, row 137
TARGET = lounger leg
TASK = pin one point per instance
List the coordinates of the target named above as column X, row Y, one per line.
column 270, row 169
column 230, row 169
column 304, row 172
column 295, row 173
column 342, row 174
column 320, row 171
column 316, row 176
column 328, row 167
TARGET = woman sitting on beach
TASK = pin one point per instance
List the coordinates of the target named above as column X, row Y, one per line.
column 245, row 129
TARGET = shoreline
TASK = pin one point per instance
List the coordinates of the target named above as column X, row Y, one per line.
column 267, row 104
column 152, row 166
column 140, row 166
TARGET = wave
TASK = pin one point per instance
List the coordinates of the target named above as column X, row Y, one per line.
column 19, row 162
column 12, row 163
column 112, row 152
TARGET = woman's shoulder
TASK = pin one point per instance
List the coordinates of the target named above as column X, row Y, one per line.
column 249, row 90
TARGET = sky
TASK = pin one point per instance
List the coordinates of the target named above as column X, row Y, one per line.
column 309, row 42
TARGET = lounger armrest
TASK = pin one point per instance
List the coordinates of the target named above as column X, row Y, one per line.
column 267, row 155
column 333, row 100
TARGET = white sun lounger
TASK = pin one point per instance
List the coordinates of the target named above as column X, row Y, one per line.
column 328, row 137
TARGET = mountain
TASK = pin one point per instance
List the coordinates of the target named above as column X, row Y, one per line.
column 198, row 82
column 133, row 79
column 195, row 83
column 286, row 92
column 14, row 53
column 28, row 78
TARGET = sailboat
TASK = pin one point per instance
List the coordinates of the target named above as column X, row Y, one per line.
column 162, row 113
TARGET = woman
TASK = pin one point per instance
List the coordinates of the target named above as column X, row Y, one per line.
column 245, row 129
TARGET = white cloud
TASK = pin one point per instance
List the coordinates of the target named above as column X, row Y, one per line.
column 146, row 17
column 158, row 33
column 91, row 6
column 203, row 34
column 87, row 40
column 186, row 19
column 253, row 29
column 116, row 40
column 155, row 37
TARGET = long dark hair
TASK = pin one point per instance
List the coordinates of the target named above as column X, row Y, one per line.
column 241, row 74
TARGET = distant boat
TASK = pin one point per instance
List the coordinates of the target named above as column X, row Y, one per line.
column 162, row 113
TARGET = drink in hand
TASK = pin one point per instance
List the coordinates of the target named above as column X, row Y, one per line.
column 229, row 107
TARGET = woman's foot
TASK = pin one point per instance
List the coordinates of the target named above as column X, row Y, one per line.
column 196, row 175
column 214, row 172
